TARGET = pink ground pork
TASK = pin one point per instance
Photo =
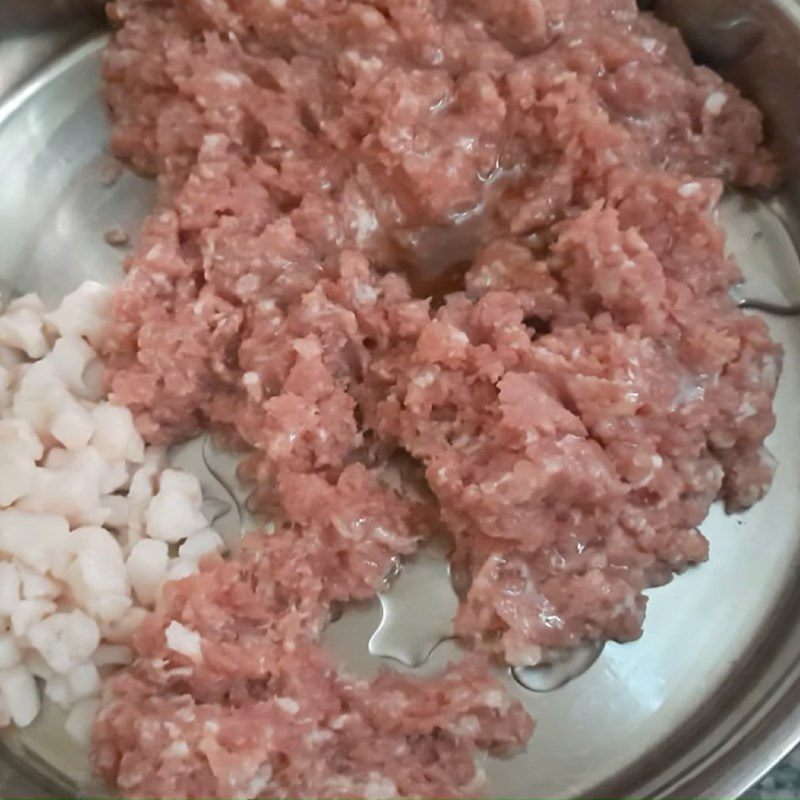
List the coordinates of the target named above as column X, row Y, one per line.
column 476, row 237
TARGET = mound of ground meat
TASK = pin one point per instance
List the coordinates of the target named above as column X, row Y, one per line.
column 476, row 237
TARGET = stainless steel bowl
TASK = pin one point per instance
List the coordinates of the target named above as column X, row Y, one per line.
column 709, row 698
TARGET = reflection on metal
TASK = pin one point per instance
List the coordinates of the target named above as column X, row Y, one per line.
column 716, row 32
column 224, row 495
column 417, row 610
column 564, row 668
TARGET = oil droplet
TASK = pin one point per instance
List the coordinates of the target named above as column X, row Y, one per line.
column 418, row 610
column 555, row 674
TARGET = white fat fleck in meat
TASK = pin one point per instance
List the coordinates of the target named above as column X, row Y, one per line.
column 247, row 284
column 287, row 704
column 689, row 189
column 365, row 223
column 497, row 699
column 365, row 294
column 337, row 723
column 184, row 640
column 746, row 409
column 319, row 736
column 258, row 782
column 715, row 102
column 425, row 377
column 380, row 787
column 229, row 79
column 178, row 749
column 468, row 726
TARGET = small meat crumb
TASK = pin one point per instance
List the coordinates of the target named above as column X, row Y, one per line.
column 116, row 236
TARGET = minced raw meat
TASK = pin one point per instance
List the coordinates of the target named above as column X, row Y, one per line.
column 479, row 235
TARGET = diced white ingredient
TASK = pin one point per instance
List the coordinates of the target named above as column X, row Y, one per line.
column 115, row 477
column 5, row 384
column 22, row 329
column 97, row 576
column 29, row 613
column 36, row 586
column 17, row 473
column 10, row 654
column 200, row 544
column 67, row 460
column 72, row 425
column 57, row 689
column 72, row 494
column 93, row 538
column 117, row 509
column 71, row 357
column 83, row 681
column 115, row 436
column 37, row 666
column 147, row 568
column 39, row 395
column 84, row 312
column 38, row 540
column 140, row 494
column 175, row 512
column 10, row 357
column 184, row 640
column 80, row 720
column 65, row 639
column 30, row 301
column 93, row 381
column 109, row 475
column 19, row 434
column 10, row 588
column 20, row 696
